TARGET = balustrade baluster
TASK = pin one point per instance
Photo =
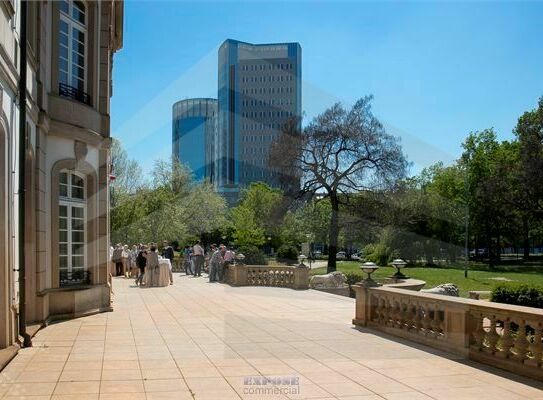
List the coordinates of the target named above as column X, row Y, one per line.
column 506, row 339
column 427, row 322
column 492, row 335
column 388, row 312
column 411, row 314
column 479, row 332
column 403, row 315
column 379, row 315
column 397, row 313
column 536, row 347
column 521, row 342
column 436, row 323
column 418, row 317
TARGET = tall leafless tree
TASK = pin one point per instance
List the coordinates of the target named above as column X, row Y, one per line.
column 340, row 153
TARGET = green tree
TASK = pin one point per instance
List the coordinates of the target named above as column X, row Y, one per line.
column 257, row 215
column 489, row 165
column 339, row 153
column 528, row 196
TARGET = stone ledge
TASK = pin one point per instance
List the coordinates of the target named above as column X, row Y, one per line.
column 341, row 291
column 7, row 354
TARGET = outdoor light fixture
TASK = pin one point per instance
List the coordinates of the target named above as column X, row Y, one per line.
column 398, row 263
column 240, row 257
column 302, row 258
column 369, row 268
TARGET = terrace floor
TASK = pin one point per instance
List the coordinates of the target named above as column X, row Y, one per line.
column 196, row 340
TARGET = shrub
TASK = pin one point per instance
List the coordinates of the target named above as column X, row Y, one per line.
column 380, row 254
column 520, row 294
column 352, row 278
column 287, row 253
column 253, row 255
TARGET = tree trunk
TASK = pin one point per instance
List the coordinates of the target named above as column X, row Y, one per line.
column 428, row 253
column 489, row 246
column 498, row 246
column 526, row 238
column 333, row 235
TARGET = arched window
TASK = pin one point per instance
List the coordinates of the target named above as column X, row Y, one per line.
column 72, row 49
column 72, row 214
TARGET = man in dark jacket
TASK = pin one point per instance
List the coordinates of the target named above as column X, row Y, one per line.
column 141, row 262
column 167, row 252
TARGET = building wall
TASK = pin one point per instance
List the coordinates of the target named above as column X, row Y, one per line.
column 259, row 88
column 193, row 134
column 64, row 132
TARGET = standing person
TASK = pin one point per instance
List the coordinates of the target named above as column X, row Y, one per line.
column 152, row 266
column 126, row 261
column 117, row 258
column 229, row 257
column 132, row 257
column 214, row 262
column 167, row 252
column 187, row 263
column 141, row 262
column 198, row 257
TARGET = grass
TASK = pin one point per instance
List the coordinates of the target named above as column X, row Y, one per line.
column 477, row 280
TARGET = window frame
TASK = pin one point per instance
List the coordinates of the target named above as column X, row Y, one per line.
column 70, row 203
column 72, row 23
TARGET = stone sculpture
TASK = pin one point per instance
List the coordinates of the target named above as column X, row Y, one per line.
column 447, row 289
column 332, row 280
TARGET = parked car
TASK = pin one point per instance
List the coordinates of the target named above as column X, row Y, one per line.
column 356, row 257
column 340, row 255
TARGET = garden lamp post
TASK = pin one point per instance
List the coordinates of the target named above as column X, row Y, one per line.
column 398, row 263
column 369, row 268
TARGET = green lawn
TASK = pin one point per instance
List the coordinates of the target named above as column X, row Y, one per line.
column 477, row 280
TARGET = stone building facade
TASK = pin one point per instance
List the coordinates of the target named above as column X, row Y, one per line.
column 70, row 51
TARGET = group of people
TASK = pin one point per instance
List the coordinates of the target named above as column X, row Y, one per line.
column 217, row 259
column 140, row 259
column 135, row 262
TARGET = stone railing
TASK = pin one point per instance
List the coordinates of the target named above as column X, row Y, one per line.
column 501, row 335
column 264, row 275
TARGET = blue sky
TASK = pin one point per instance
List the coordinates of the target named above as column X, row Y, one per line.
column 438, row 70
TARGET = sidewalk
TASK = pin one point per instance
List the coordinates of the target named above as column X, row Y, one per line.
column 196, row 340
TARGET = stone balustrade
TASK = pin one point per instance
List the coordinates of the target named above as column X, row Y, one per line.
column 265, row 275
column 500, row 335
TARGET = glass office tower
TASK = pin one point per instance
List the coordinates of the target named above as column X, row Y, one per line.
column 259, row 88
column 194, row 126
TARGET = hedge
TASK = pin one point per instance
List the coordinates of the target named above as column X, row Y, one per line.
column 520, row 294
column 253, row 255
column 287, row 253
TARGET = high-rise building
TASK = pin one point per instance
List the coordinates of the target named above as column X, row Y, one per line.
column 193, row 135
column 259, row 88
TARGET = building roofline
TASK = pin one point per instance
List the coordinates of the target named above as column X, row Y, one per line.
column 195, row 99
column 260, row 44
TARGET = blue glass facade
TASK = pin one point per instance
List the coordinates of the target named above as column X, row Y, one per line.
column 259, row 88
column 193, row 135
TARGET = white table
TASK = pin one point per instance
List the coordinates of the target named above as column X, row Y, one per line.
column 160, row 276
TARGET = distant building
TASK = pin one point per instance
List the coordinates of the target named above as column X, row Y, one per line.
column 259, row 88
column 193, row 135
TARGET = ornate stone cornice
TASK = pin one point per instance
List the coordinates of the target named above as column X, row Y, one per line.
column 61, row 129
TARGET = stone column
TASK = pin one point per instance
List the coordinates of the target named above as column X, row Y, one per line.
column 301, row 278
column 362, row 315
column 239, row 275
column 103, row 214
